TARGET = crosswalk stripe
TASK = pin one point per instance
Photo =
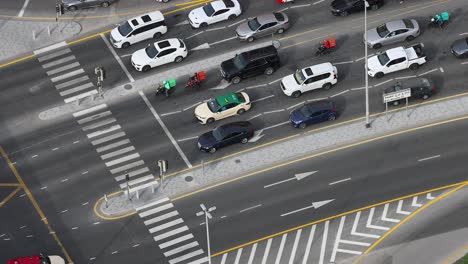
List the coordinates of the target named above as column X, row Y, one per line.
column 267, row 251
column 131, row 174
column 89, row 110
column 166, row 225
column 108, row 138
column 186, row 256
column 252, row 253
column 80, row 96
column 369, row 221
column 161, row 218
column 238, row 256
column 138, row 180
column 223, row 260
column 103, row 131
column 58, row 62
column 181, row 249
column 156, row 210
column 99, row 124
column 350, row 251
column 399, row 208
column 94, row 117
column 122, row 159
column 429, row 196
column 117, row 152
column 337, row 238
column 71, row 82
column 384, row 215
column 355, row 224
column 171, row 233
column 199, row 261
column 324, row 242
column 63, row 68
column 309, row 244
column 127, row 166
column 364, row 244
column 175, row 241
column 281, row 248
column 54, row 55
column 294, row 249
column 67, row 75
column 113, row 145
column 77, row 89
column 160, row 201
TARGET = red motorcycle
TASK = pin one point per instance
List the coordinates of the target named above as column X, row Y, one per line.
column 284, row 1
column 196, row 79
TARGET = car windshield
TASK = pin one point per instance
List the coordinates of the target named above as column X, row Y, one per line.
column 299, row 77
column 125, row 29
column 382, row 30
column 253, row 24
column 213, row 105
column 305, row 111
column 240, row 61
column 209, row 10
column 408, row 23
column 151, row 51
column 383, row 58
column 219, row 133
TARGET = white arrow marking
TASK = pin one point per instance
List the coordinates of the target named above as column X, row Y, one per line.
column 257, row 135
column 202, row 46
column 298, row 176
column 185, row 22
column 315, row 205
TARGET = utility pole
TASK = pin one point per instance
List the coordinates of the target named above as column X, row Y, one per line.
column 59, row 11
column 208, row 216
column 163, row 166
column 366, row 5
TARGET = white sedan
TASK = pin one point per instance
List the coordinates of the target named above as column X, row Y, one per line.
column 214, row 12
column 159, row 53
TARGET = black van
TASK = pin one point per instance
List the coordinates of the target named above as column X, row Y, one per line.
column 251, row 63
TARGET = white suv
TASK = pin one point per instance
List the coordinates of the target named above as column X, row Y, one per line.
column 137, row 29
column 310, row 78
column 159, row 53
column 214, row 12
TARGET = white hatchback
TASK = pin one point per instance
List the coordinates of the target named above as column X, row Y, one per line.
column 159, row 53
column 310, row 78
column 214, row 12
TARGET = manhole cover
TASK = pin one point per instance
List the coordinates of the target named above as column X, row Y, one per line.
column 188, row 178
column 237, row 161
column 128, row 87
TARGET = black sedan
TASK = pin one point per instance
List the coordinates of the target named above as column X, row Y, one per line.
column 460, row 48
column 345, row 7
column 225, row 135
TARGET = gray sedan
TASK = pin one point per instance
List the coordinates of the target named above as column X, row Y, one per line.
column 392, row 32
column 73, row 5
column 263, row 25
column 460, row 48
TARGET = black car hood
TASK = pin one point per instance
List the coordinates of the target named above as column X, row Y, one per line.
column 229, row 67
column 339, row 4
column 207, row 139
column 460, row 46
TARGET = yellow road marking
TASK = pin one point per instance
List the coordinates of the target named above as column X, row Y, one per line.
column 17, row 60
column 10, row 185
column 193, row 2
column 459, row 184
column 9, row 196
column 36, row 206
column 459, row 253
column 96, row 211
column 406, row 219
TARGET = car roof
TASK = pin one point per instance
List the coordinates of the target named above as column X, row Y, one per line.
column 228, row 98
column 317, row 69
column 395, row 52
column 217, row 5
column 167, row 43
column 145, row 18
column 266, row 18
column 261, row 52
column 395, row 25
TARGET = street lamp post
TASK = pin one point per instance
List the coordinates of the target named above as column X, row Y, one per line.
column 208, row 215
column 366, row 5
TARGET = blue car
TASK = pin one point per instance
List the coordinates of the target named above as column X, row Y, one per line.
column 314, row 112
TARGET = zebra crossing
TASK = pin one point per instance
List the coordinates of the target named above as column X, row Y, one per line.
column 65, row 72
column 339, row 240
column 170, row 232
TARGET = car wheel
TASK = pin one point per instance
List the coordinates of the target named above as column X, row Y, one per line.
column 241, row 111
column 210, row 120
column 379, row 75
column 250, row 39
column 374, row 7
column 327, row 86
column 179, row 59
column 72, row 8
column 395, row 103
column 296, row 94
column 231, row 17
column 280, row 31
column 377, row 46
column 203, row 24
column 236, row 80
column 409, row 38
column 125, row 45
column 302, row 125
column 157, row 35
column 424, row 97
column 331, row 118
column 244, row 140
column 212, row 150
column 146, row 68
column 414, row 66
column 344, row 13
column 269, row 71
column 105, row 4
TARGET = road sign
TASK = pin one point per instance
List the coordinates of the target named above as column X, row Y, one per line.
column 402, row 94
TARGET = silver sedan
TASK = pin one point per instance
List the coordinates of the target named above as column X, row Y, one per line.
column 392, row 32
column 263, row 25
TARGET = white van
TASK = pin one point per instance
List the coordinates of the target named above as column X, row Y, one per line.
column 310, row 78
column 150, row 25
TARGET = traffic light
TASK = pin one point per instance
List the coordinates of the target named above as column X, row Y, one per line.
column 57, row 8
column 99, row 71
column 62, row 9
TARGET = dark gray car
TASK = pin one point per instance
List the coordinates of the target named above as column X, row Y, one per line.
column 392, row 32
column 263, row 25
column 460, row 48
column 73, row 5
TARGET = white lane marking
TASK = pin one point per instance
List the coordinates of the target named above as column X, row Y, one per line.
column 71, row 82
column 384, row 215
column 298, row 6
column 298, row 210
column 185, row 22
column 294, row 249
column 13, row 163
column 399, row 208
column 21, row 227
column 213, row 29
column 114, row 252
column 117, row 58
column 250, row 208
column 340, row 93
column 74, row 228
column 85, row 203
column 430, row 197
column 75, row 142
column 364, row 244
column 361, row 88
column 375, row 85
column 255, row 116
column 113, row 145
column 223, row 216
column 224, row 40
column 166, row 130
column 175, row 241
column 63, row 68
column 186, row 139
column 309, row 244
column 428, row 158
column 256, row 86
column 43, row 188
column 267, row 251
column 354, row 252
column 166, row 225
column 64, row 211
column 466, row 62
column 100, row 124
column 103, row 131
column 274, row 111
column 181, row 248
column 354, row 228
column 277, row 80
column 369, row 221
column 238, row 256
column 284, row 9
column 160, row 201
column 441, row 69
column 461, row 34
column 171, row 113
column 54, row 55
column 252, row 253
column 186, row 256
column 96, row 223
column 293, row 106
column 405, row 77
column 281, row 248
column 29, row 236
column 238, row 22
column 223, row 260
column 424, row 73
column 2, row 235
column 332, row 183
column 33, row 156
column 161, row 218
column 364, row 57
column 318, row 2
column 343, row 62
column 58, row 62
column 64, row 180
column 192, row 106
column 89, row 110
column 196, row 34
column 199, row 261
column 337, row 239
column 77, row 89
column 415, row 203
column 49, row 48
column 263, row 98
column 324, row 243
column 136, row 245
column 277, row 125
column 93, row 258
column 171, row 233
column 22, row 195
column 156, row 210
column 67, row 75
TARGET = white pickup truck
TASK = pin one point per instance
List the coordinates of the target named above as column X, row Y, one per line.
column 396, row 59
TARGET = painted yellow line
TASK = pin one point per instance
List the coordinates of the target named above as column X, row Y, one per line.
column 9, row 196
column 193, row 2
column 97, row 213
column 17, row 60
column 457, row 254
column 10, row 185
column 34, row 203
column 459, row 184
column 408, row 218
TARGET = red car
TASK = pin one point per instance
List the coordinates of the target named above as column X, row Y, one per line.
column 39, row 259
